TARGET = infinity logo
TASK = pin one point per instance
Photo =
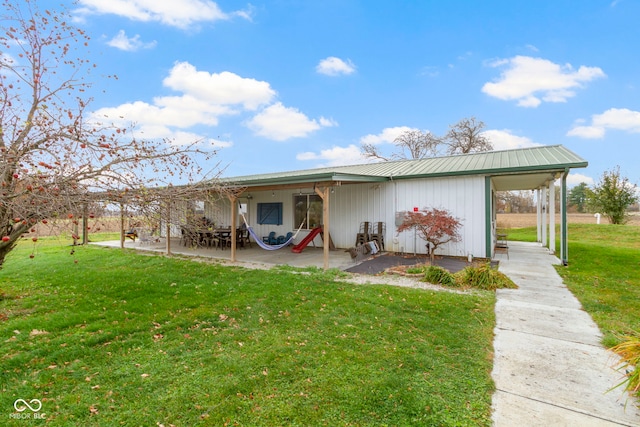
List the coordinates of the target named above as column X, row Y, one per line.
column 22, row 405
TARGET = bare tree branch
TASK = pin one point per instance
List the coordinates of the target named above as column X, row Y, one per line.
column 55, row 159
column 465, row 137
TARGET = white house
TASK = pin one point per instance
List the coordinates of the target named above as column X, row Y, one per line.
column 341, row 198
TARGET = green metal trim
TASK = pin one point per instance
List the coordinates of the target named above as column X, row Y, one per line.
column 528, row 160
column 496, row 171
column 487, row 212
column 305, row 179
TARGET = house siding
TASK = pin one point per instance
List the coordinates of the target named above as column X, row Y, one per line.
column 352, row 204
column 463, row 197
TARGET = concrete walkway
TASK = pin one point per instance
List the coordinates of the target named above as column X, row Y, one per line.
column 550, row 368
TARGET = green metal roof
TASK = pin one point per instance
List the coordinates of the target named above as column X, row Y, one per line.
column 516, row 161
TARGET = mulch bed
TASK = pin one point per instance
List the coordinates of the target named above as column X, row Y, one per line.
column 379, row 263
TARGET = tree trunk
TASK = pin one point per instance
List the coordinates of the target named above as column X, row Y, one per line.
column 4, row 251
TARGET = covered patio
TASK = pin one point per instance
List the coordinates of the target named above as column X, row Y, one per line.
column 254, row 255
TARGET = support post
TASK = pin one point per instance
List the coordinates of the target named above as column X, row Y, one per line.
column 85, row 224
column 564, row 231
column 538, row 216
column 324, row 195
column 234, row 220
column 168, row 229
column 552, row 217
column 121, row 226
column 545, row 209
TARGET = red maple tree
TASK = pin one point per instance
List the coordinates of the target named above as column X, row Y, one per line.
column 435, row 226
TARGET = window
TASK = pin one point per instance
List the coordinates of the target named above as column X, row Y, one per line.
column 307, row 208
column 270, row 213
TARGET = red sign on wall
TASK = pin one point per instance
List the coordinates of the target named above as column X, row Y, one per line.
column 415, row 209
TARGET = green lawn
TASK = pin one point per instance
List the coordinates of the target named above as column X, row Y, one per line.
column 603, row 273
column 119, row 338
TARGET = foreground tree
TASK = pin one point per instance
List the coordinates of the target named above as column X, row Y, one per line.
column 54, row 157
column 466, row 137
column 435, row 226
column 612, row 196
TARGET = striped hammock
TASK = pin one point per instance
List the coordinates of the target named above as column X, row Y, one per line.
column 267, row 246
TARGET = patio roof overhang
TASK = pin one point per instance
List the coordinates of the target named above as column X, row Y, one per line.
column 525, row 181
column 311, row 180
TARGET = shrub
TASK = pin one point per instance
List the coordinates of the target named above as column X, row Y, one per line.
column 418, row 269
column 438, row 275
column 629, row 352
column 483, row 277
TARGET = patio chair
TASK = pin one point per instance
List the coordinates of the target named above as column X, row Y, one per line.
column 363, row 234
column 282, row 239
column 271, row 239
column 378, row 235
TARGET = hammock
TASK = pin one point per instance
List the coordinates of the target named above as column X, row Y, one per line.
column 266, row 246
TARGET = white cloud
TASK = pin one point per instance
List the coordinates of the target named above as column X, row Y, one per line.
column 614, row 118
column 574, row 179
column 333, row 66
column 587, row 132
column 505, row 140
column 129, row 44
column 159, row 122
column 280, row 123
column 183, row 14
column 202, row 99
column 387, row 136
column 619, row 118
column 336, row 156
column 530, row 81
column 223, row 88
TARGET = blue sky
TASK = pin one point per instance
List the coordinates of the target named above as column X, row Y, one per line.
column 297, row 84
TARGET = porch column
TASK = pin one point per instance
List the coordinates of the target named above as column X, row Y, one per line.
column 538, row 216
column 168, row 228
column 564, row 232
column 85, row 224
column 121, row 226
column 552, row 217
column 545, row 208
column 234, row 218
column 324, row 195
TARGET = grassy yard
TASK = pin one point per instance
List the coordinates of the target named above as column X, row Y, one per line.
column 106, row 337
column 603, row 273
